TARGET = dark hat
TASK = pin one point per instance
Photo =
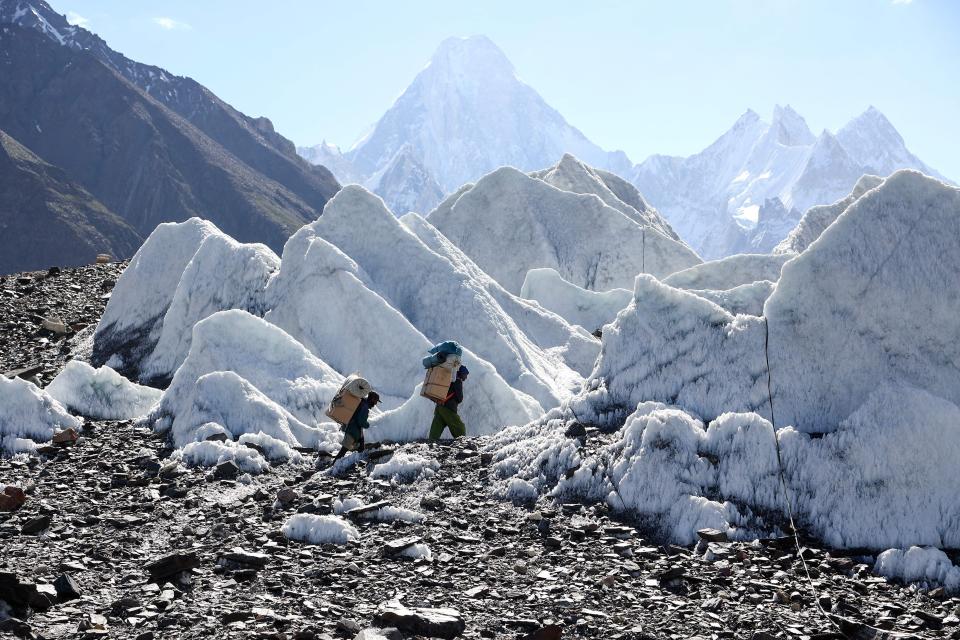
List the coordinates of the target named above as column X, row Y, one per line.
column 463, row 371
column 373, row 398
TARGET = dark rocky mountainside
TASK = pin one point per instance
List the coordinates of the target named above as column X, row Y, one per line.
column 139, row 158
column 51, row 218
column 252, row 140
column 112, row 537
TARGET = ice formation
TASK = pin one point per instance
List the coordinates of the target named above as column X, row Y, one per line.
column 133, row 320
column 588, row 309
column 101, row 394
column 223, row 274
column 815, row 221
column 403, row 468
column 743, row 299
column 306, row 527
column 873, row 299
column 360, row 331
column 440, row 301
column 574, row 176
column 864, row 304
column 673, row 346
column 509, row 223
column 28, row 415
column 730, row 272
column 925, row 565
column 547, row 329
column 884, row 478
column 245, row 375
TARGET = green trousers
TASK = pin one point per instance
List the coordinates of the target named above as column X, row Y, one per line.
column 445, row 418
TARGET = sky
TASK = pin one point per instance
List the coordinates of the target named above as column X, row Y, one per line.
column 644, row 77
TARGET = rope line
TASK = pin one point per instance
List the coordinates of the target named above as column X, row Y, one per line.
column 831, row 618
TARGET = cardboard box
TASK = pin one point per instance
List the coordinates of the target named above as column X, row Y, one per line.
column 436, row 385
column 343, row 406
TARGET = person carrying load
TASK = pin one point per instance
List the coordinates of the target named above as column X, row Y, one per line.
column 445, row 415
column 353, row 432
column 351, row 408
column 443, row 361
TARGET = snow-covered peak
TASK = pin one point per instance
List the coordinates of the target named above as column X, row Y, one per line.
column 873, row 141
column 467, row 113
column 713, row 198
column 470, row 56
column 791, row 128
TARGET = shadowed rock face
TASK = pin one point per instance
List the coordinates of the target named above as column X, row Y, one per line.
column 51, row 220
column 252, row 140
column 140, row 159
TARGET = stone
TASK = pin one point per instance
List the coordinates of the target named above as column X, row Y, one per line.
column 713, row 535
column 372, row 633
column 548, row 632
column 65, row 438
column 287, row 496
column 392, row 547
column 170, row 565
column 575, row 430
column 66, row 588
column 25, row 594
column 367, row 508
column 93, row 621
column 477, row 592
column 226, row 470
column 239, row 558
column 12, row 498
column 433, row 623
column 34, row 526
column 17, row 627
column 432, row 503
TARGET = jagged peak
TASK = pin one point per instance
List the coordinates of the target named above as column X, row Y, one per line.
column 471, row 53
column 748, row 117
column 873, row 120
column 790, row 127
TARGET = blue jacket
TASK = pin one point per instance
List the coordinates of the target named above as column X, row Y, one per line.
column 359, row 421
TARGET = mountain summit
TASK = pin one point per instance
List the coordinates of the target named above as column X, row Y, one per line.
column 464, row 115
column 745, row 191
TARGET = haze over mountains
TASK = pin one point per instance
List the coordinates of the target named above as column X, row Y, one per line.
column 467, row 113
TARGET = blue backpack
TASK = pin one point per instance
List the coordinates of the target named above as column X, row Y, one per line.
column 440, row 352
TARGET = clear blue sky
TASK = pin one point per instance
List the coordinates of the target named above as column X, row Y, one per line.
column 645, row 77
